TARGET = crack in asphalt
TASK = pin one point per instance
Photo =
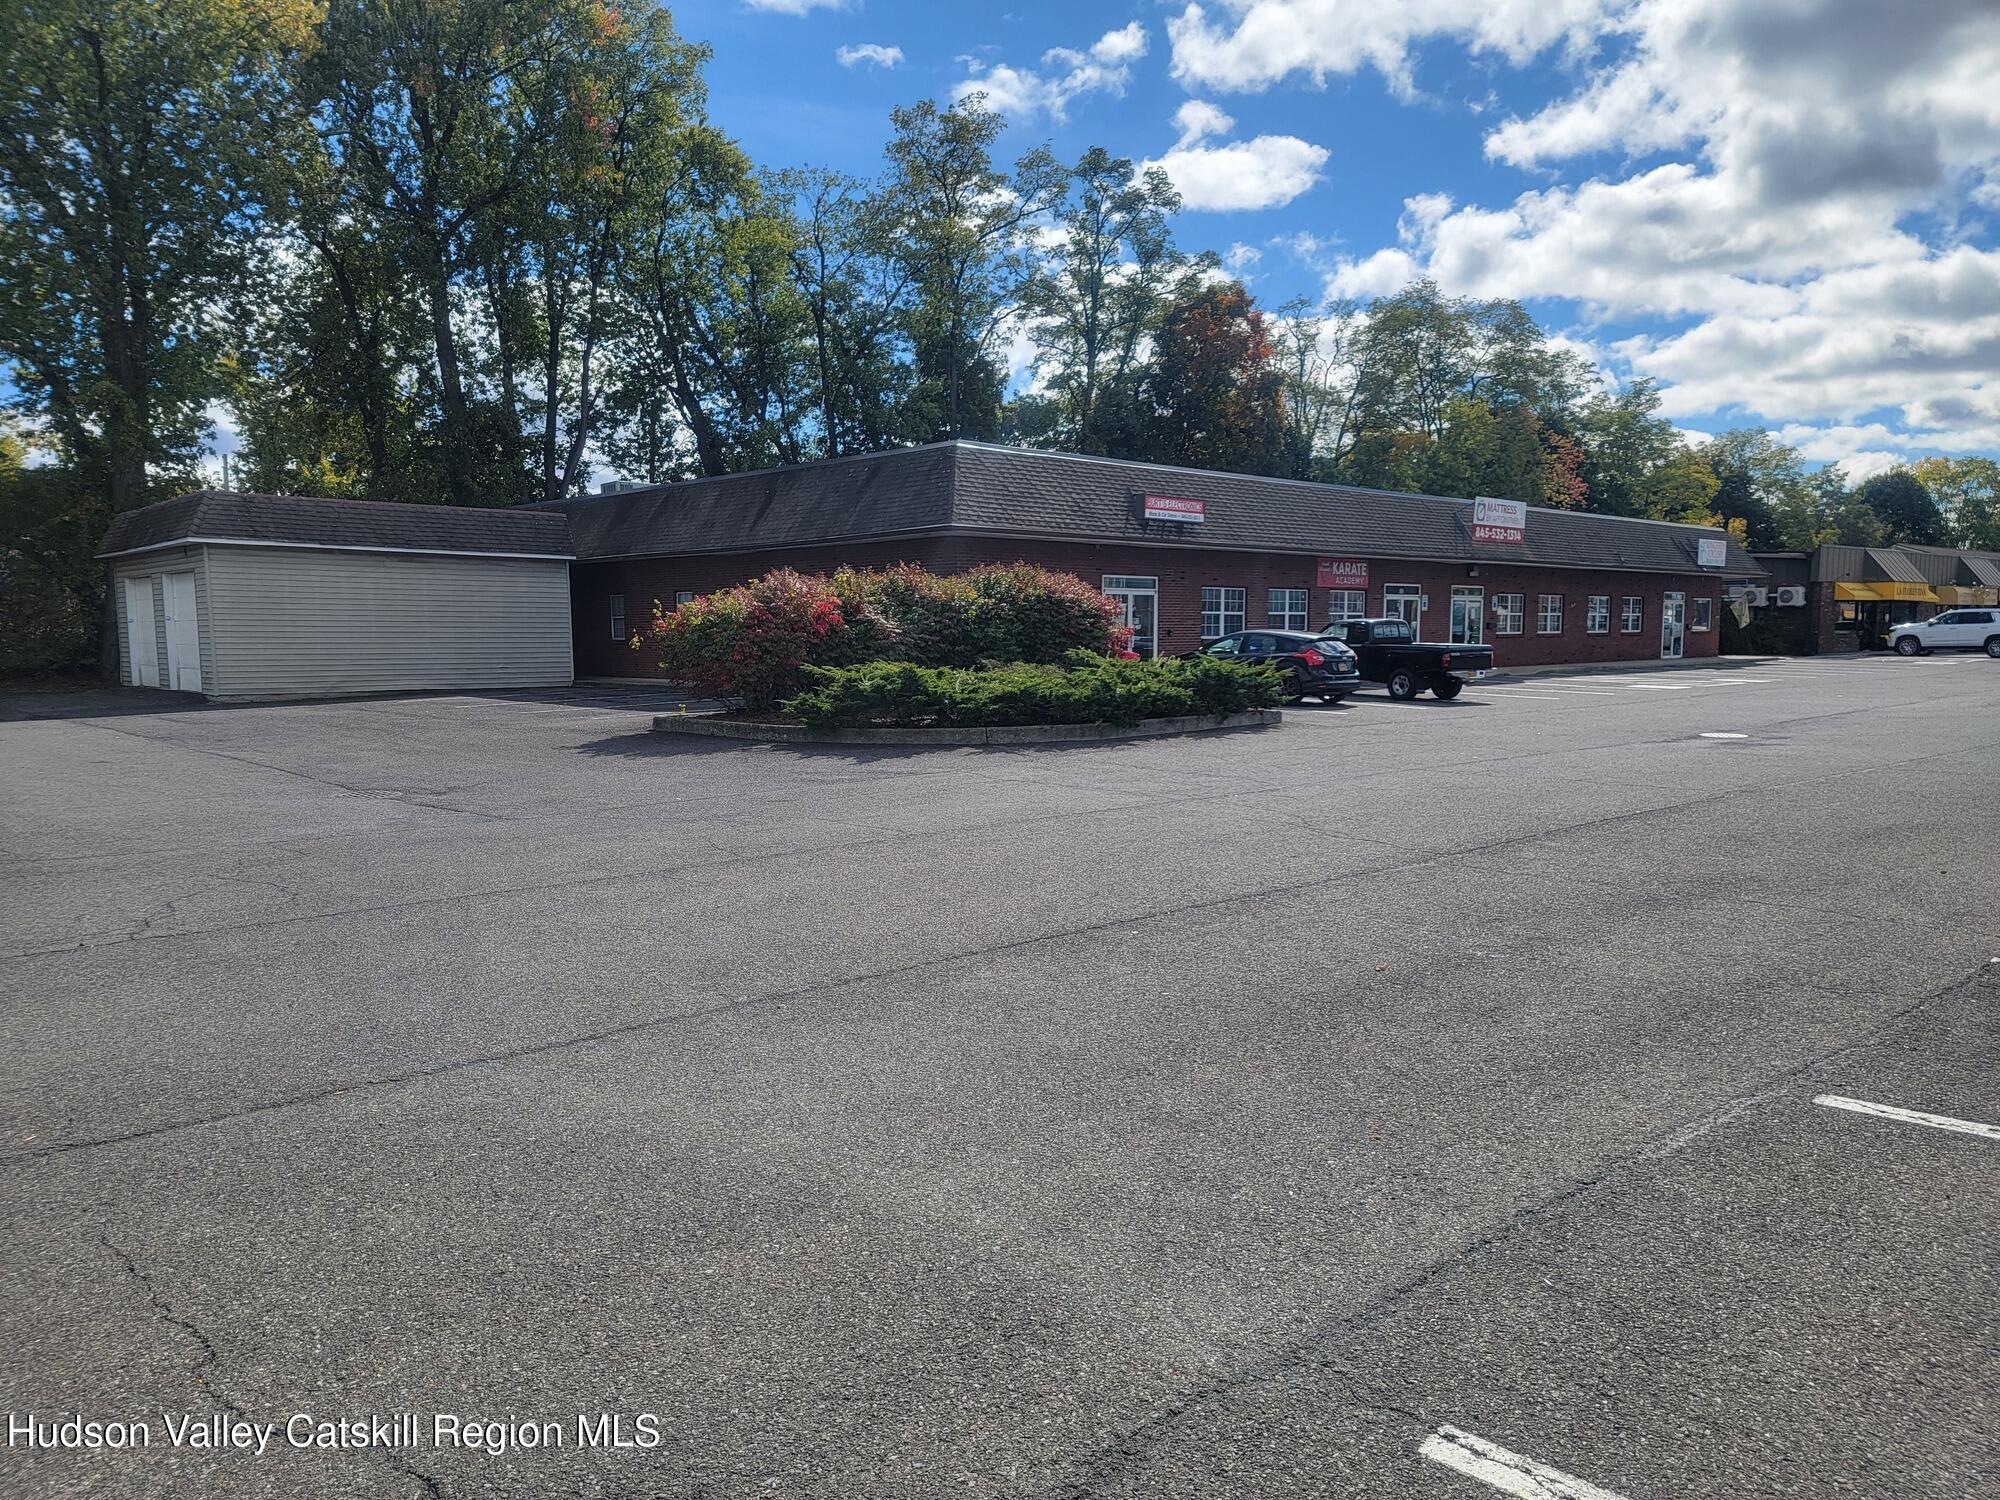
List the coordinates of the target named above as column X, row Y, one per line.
column 777, row 998
column 1320, row 1351
column 164, row 1312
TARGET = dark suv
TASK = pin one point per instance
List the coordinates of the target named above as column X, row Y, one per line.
column 1312, row 667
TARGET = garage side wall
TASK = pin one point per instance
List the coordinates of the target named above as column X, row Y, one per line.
column 301, row 622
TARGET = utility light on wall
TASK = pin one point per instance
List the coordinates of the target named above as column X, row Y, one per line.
column 1472, row 570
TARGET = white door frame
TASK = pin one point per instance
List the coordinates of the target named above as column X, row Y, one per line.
column 1128, row 589
column 1673, row 626
column 1476, row 594
column 1414, row 598
column 183, row 633
column 142, row 643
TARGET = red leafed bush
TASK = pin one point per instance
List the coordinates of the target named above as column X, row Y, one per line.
column 750, row 642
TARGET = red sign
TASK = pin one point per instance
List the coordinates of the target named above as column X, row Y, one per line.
column 1499, row 520
column 1341, row 573
column 1168, row 508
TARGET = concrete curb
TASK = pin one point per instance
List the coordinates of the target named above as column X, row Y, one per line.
column 1008, row 734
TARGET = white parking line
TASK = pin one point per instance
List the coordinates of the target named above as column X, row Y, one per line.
column 1909, row 1116
column 1506, row 1471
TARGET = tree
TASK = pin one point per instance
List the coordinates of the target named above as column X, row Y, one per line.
column 1099, row 289
column 138, row 144
column 1967, row 491
column 961, row 230
column 1764, row 484
column 1683, row 489
column 1905, row 508
column 1214, row 396
column 1316, row 349
column 1628, row 443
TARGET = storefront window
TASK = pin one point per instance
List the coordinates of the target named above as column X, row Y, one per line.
column 1509, row 613
column 1347, row 604
column 1549, row 619
column 1597, row 614
column 1633, row 616
column 1221, row 612
column 1702, row 614
column 1287, row 609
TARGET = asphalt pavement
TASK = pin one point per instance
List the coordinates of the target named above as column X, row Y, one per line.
column 1437, row 1100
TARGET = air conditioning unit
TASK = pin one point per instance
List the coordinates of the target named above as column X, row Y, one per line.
column 1756, row 596
column 1792, row 598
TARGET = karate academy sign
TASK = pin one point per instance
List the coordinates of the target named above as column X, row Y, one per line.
column 1341, row 573
column 1499, row 520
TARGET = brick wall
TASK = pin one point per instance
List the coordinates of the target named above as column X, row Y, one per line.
column 1182, row 574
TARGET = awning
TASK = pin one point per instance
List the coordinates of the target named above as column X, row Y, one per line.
column 1905, row 593
column 1982, row 570
column 1959, row 594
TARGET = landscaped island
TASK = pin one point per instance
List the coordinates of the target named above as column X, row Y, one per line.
column 905, row 648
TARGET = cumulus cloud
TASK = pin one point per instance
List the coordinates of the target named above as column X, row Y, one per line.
column 1786, row 239
column 1024, row 94
column 874, row 54
column 1261, row 42
column 1264, row 172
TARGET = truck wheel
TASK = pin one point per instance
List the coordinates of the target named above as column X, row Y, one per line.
column 1909, row 645
column 1993, row 646
column 1447, row 688
column 1404, row 684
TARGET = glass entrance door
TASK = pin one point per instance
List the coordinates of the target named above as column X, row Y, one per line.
column 1673, row 626
column 1139, row 598
column 1468, row 616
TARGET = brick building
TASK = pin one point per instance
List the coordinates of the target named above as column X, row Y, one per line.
column 1191, row 554
column 1845, row 598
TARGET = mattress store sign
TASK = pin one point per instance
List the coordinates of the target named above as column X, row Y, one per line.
column 1499, row 520
column 1169, row 508
column 1341, row 573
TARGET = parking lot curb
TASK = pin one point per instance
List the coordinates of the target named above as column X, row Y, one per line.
column 1007, row 734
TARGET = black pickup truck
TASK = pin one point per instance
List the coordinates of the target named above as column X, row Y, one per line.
column 1390, row 653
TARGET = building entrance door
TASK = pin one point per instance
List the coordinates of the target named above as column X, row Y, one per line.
column 1673, row 626
column 1468, row 616
column 1139, row 598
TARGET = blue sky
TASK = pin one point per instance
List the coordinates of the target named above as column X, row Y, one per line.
column 1782, row 210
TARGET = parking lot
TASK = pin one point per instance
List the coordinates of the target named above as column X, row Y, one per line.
column 1585, row 1088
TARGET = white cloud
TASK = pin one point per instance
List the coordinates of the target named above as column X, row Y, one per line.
column 794, row 7
column 872, row 53
column 1240, row 257
column 1262, row 42
column 1264, row 172
column 1024, row 93
column 1786, row 240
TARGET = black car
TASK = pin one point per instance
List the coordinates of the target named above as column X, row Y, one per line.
column 1312, row 667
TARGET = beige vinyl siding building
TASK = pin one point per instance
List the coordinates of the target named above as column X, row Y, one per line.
column 254, row 597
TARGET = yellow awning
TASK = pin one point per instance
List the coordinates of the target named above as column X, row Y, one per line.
column 1908, row 593
column 1958, row 593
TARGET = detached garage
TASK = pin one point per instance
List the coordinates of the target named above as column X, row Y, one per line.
column 259, row 596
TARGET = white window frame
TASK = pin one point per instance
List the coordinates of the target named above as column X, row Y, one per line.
column 617, row 603
column 1543, row 612
column 1597, row 614
column 683, row 596
column 1510, row 620
column 1632, row 614
column 1284, row 617
column 1701, row 614
column 1219, row 605
column 1346, row 604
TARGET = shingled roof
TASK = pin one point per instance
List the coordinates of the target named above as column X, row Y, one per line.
column 228, row 516
column 987, row 489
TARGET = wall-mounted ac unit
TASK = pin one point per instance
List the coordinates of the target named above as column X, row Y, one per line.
column 1754, row 596
column 1792, row 598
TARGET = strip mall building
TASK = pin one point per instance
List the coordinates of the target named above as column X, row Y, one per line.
column 255, row 596
column 1191, row 554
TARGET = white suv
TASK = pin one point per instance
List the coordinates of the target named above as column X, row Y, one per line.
column 1954, row 630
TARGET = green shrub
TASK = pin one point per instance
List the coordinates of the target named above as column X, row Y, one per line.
column 1086, row 689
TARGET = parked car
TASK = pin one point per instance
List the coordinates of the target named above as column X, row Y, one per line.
column 1312, row 667
column 1954, row 630
column 1390, row 653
